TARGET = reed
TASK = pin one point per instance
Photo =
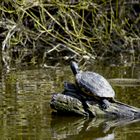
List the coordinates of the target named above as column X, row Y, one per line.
column 33, row 30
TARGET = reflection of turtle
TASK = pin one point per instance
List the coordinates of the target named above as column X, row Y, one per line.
column 93, row 84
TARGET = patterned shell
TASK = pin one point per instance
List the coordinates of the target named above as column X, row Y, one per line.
column 94, row 84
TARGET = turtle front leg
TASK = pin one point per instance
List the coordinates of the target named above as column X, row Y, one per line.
column 104, row 104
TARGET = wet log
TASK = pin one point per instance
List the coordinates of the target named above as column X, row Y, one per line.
column 68, row 104
column 71, row 101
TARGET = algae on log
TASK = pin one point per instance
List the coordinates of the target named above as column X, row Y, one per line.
column 69, row 104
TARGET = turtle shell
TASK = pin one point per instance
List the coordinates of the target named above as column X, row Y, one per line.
column 94, row 84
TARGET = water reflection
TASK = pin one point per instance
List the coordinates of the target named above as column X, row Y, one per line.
column 85, row 128
column 25, row 112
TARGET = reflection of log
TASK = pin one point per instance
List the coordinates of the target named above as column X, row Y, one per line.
column 125, row 82
column 75, row 127
column 71, row 101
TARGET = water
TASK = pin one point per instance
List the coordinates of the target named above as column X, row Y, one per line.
column 25, row 112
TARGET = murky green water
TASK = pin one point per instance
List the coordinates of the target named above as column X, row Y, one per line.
column 25, row 112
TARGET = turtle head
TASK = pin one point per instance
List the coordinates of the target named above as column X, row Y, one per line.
column 74, row 67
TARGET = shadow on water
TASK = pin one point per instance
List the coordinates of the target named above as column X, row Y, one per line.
column 25, row 111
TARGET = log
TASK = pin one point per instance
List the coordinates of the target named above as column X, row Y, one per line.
column 69, row 104
column 71, row 101
column 125, row 82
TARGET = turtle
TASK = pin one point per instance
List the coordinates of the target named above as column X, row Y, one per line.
column 93, row 85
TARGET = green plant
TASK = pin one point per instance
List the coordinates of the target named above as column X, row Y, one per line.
column 41, row 28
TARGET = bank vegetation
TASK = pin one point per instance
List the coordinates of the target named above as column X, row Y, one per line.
column 37, row 31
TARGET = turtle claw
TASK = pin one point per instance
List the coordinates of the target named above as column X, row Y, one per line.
column 105, row 104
